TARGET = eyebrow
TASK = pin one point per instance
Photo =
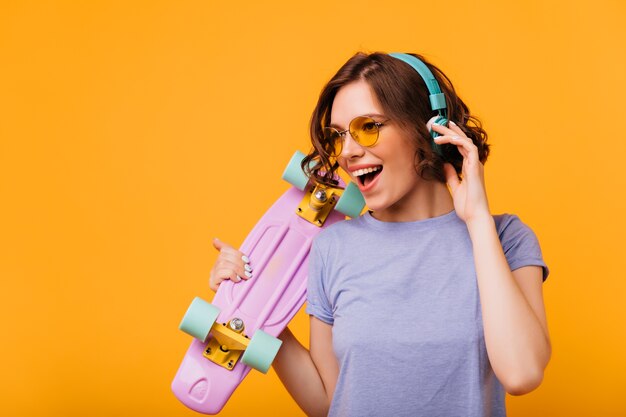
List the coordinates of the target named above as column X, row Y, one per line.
column 372, row 115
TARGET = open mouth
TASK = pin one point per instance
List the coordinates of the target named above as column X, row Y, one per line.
column 367, row 175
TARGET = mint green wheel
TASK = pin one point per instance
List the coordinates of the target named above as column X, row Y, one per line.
column 351, row 202
column 294, row 174
column 261, row 351
column 199, row 319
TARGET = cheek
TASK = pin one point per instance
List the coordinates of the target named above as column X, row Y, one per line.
column 342, row 164
column 343, row 167
column 405, row 164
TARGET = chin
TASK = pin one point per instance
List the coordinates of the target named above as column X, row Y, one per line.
column 375, row 204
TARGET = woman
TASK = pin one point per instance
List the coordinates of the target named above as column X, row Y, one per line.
column 426, row 305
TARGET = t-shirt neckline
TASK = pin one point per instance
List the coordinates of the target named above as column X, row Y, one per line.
column 429, row 223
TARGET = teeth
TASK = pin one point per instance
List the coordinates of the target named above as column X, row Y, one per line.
column 360, row 172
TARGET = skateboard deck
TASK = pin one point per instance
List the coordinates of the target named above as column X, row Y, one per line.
column 278, row 247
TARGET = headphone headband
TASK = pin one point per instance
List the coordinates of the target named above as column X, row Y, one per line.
column 437, row 98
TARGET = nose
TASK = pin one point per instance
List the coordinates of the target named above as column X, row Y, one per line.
column 351, row 148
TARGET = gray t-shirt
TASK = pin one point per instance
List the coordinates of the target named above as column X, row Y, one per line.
column 407, row 323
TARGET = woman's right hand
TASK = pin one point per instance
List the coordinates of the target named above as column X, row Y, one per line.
column 231, row 264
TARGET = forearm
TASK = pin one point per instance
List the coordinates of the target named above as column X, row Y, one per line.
column 517, row 344
column 298, row 373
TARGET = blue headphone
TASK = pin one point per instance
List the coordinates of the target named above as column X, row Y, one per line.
column 437, row 98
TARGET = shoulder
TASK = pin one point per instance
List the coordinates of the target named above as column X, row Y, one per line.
column 510, row 225
column 339, row 231
column 505, row 219
column 519, row 242
column 333, row 238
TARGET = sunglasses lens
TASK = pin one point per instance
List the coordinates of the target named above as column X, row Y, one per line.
column 364, row 130
column 332, row 141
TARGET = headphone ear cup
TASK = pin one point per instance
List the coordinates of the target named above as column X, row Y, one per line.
column 441, row 121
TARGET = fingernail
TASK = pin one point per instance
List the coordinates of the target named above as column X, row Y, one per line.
column 245, row 259
column 248, row 268
column 238, row 278
column 452, row 122
column 248, row 274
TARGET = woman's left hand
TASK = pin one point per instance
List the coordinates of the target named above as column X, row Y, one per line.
column 468, row 193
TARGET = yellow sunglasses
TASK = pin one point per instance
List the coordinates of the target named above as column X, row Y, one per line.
column 363, row 129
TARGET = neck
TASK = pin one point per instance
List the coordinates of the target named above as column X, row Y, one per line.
column 430, row 199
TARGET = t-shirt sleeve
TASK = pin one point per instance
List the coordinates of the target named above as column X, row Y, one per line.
column 318, row 304
column 519, row 243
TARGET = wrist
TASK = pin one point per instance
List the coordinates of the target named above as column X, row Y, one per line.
column 480, row 222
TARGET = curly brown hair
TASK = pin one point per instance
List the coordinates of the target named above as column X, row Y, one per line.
column 404, row 97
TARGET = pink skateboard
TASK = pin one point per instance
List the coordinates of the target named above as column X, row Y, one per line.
column 238, row 330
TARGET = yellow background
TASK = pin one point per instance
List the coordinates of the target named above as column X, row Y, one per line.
column 134, row 132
